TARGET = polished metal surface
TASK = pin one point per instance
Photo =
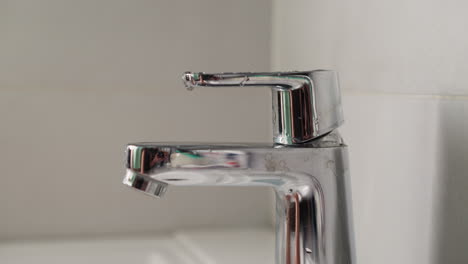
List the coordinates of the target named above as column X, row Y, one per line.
column 307, row 166
column 313, row 214
column 306, row 105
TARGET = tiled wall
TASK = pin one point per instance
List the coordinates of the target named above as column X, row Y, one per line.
column 402, row 67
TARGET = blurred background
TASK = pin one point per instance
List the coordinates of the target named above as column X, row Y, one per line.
column 80, row 79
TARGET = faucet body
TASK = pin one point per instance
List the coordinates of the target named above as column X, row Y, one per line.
column 313, row 213
column 307, row 164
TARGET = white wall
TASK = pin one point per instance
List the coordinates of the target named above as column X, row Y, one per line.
column 80, row 79
column 402, row 67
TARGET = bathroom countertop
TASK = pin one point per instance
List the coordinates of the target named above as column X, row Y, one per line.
column 184, row 247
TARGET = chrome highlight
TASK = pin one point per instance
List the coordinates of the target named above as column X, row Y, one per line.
column 307, row 165
column 306, row 105
column 313, row 221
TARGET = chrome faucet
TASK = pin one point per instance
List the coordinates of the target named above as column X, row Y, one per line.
column 307, row 164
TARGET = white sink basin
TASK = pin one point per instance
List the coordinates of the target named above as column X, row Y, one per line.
column 193, row 247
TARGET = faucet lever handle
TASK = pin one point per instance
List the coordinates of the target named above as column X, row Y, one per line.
column 306, row 104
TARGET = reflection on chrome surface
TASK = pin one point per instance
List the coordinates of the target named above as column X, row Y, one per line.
column 311, row 184
column 306, row 166
column 306, row 104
